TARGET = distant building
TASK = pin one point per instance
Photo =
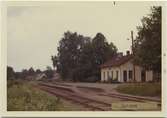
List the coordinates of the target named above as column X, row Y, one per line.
column 121, row 69
column 41, row 76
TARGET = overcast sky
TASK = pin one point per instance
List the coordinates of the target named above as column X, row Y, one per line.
column 34, row 31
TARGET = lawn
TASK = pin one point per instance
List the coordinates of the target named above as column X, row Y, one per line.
column 22, row 96
column 141, row 89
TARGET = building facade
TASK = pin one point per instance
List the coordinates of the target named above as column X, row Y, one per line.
column 122, row 69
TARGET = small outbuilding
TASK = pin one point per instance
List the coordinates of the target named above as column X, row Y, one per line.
column 41, row 76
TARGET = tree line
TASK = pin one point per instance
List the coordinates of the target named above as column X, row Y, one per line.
column 11, row 74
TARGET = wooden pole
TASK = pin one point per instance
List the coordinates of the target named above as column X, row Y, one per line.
column 133, row 54
column 132, row 40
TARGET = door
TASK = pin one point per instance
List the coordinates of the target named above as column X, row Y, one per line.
column 125, row 75
column 143, row 76
column 130, row 75
column 104, row 77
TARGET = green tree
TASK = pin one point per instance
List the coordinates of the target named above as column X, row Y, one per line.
column 31, row 71
column 23, row 74
column 148, row 43
column 80, row 57
column 38, row 71
column 10, row 73
column 102, row 51
column 69, row 50
column 54, row 61
column 49, row 72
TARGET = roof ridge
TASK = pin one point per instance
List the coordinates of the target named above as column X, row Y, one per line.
column 116, row 61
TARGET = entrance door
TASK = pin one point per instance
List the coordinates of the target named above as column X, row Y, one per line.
column 143, row 76
column 125, row 75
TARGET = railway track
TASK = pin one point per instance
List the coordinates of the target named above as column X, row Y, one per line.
column 131, row 98
column 68, row 93
column 92, row 104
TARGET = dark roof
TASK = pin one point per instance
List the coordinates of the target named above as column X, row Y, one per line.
column 116, row 61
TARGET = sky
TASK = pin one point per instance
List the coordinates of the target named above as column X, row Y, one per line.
column 34, row 32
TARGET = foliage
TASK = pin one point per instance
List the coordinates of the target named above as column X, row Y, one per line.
column 148, row 43
column 79, row 57
column 54, row 60
column 10, row 73
column 12, row 82
column 22, row 74
column 38, row 71
column 141, row 89
column 49, row 72
column 21, row 96
column 31, row 71
column 25, row 73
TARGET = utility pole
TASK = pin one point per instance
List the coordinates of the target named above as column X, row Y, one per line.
column 132, row 45
column 132, row 51
column 132, row 41
column 133, row 54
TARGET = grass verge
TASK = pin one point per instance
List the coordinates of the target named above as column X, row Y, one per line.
column 21, row 96
column 141, row 89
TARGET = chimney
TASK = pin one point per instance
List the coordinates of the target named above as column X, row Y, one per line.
column 127, row 52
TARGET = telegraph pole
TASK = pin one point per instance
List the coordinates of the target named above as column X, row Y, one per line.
column 133, row 54
column 132, row 51
column 132, row 41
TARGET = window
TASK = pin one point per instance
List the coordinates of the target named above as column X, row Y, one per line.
column 130, row 74
column 112, row 74
column 108, row 74
column 116, row 74
column 103, row 75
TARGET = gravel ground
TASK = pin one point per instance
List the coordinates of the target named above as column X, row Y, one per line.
column 108, row 87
